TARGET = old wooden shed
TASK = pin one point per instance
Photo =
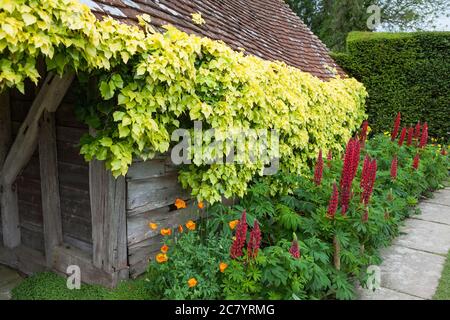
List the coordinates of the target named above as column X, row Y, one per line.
column 58, row 210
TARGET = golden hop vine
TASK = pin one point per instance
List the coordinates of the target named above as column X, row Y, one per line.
column 152, row 83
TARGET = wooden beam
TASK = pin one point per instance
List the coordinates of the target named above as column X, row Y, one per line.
column 51, row 207
column 5, row 126
column 108, row 210
column 49, row 98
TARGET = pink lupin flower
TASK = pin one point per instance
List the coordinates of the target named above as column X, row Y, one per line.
column 294, row 250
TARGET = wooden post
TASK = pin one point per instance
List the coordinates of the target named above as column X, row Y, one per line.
column 51, row 206
column 49, row 98
column 8, row 198
column 108, row 210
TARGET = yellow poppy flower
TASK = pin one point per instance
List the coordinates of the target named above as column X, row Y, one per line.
column 161, row 258
column 190, row 225
column 152, row 225
column 180, row 204
column 166, row 232
column 223, row 266
column 233, row 224
column 192, row 282
column 164, row 248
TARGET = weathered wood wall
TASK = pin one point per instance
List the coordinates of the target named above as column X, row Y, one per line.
column 152, row 188
column 73, row 174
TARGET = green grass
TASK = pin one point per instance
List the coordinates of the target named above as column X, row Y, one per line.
column 443, row 290
column 50, row 286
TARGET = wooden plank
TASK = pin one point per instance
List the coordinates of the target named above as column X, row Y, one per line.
column 48, row 98
column 51, row 205
column 153, row 193
column 146, row 169
column 138, row 229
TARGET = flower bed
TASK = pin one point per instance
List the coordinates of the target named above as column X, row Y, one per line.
column 304, row 237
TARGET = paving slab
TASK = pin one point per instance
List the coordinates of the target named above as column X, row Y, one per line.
column 383, row 294
column 426, row 236
column 410, row 271
column 434, row 213
column 9, row 279
column 441, row 197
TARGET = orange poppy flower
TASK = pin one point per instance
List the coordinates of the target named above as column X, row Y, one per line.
column 166, row 232
column 152, row 225
column 223, row 266
column 180, row 229
column 201, row 205
column 180, row 204
column 190, row 225
column 161, row 258
column 192, row 282
column 233, row 224
column 164, row 248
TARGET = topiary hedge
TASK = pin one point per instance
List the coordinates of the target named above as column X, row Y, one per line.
column 406, row 72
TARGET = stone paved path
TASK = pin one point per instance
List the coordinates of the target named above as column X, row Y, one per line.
column 412, row 266
column 8, row 280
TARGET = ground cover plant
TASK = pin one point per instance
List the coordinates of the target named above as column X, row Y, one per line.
column 304, row 237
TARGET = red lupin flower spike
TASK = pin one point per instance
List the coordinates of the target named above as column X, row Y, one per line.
column 254, row 241
column 394, row 165
column 241, row 237
column 424, row 137
column 410, row 136
column 402, row 137
column 416, row 162
column 333, row 204
column 347, row 174
column 396, row 126
column 318, row 171
column 417, row 130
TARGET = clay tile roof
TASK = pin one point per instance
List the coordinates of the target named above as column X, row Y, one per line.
column 265, row 28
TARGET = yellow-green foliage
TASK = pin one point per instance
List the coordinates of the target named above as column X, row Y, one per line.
column 157, row 82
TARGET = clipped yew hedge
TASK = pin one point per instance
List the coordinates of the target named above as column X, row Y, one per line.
column 406, row 72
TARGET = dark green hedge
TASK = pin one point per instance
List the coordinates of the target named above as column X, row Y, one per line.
column 406, row 72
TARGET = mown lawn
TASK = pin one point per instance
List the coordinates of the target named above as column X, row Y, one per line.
column 443, row 290
column 50, row 286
